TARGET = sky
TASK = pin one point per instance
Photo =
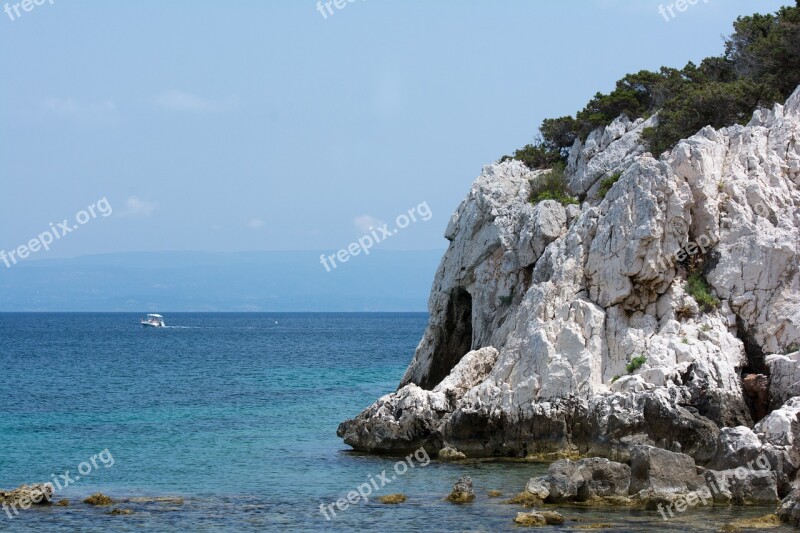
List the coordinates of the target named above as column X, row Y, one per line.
column 264, row 125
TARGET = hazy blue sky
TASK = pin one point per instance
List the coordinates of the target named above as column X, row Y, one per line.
column 261, row 125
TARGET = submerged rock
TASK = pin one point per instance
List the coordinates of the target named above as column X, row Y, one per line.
column 762, row 522
column 526, row 499
column 462, row 491
column 539, row 518
column 531, row 519
column 158, row 499
column 98, row 499
column 552, row 518
column 392, row 499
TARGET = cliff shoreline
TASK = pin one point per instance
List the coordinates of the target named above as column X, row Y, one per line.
column 577, row 330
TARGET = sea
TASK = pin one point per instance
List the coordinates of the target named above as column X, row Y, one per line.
column 227, row 422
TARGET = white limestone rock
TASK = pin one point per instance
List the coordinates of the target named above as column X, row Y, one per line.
column 567, row 297
column 606, row 151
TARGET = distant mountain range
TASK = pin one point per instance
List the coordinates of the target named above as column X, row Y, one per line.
column 199, row 281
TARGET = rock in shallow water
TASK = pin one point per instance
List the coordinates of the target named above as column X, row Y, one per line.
column 26, row 495
column 539, row 519
column 663, row 471
column 462, row 491
column 392, row 499
column 99, row 499
column 531, row 519
column 450, row 454
column 789, row 509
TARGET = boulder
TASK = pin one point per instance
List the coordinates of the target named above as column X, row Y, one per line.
column 451, row 454
column 583, row 480
column 789, row 509
column 779, row 433
column 736, row 447
column 784, row 373
column 743, row 486
column 782, row 426
column 663, row 471
column 538, row 487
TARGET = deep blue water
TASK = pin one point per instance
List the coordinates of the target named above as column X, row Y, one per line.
column 237, row 415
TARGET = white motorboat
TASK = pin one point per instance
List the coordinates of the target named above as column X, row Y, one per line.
column 153, row 321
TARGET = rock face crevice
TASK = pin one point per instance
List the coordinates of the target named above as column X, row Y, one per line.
column 452, row 340
column 568, row 298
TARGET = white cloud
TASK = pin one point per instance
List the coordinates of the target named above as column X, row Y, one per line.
column 366, row 223
column 135, row 206
column 256, row 223
column 182, row 101
column 74, row 109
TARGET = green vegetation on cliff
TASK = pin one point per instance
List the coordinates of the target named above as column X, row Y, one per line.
column 552, row 185
column 760, row 66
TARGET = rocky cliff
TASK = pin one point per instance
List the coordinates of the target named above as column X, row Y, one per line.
column 570, row 329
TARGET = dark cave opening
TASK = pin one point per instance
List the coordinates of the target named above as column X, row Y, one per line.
column 454, row 339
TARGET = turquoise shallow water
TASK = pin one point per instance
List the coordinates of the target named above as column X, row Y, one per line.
column 236, row 414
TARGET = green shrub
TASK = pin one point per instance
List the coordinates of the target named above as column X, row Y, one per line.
column 535, row 156
column 552, row 186
column 614, row 379
column 710, row 103
column 607, row 183
column 699, row 289
column 635, row 364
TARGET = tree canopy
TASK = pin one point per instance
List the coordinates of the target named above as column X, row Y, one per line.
column 759, row 67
